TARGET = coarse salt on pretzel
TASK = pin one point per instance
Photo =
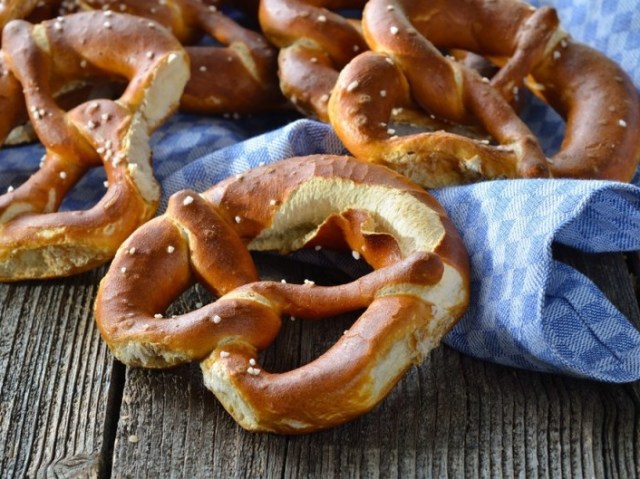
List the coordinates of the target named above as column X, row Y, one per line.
column 595, row 96
column 37, row 241
column 418, row 289
column 237, row 77
column 315, row 43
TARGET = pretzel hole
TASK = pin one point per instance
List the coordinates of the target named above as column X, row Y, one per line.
column 546, row 123
column 301, row 341
column 244, row 15
column 404, row 122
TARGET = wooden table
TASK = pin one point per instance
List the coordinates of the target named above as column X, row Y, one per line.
column 67, row 409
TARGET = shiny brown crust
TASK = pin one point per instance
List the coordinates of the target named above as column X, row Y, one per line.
column 592, row 93
column 36, row 241
column 416, row 293
column 238, row 77
column 315, row 43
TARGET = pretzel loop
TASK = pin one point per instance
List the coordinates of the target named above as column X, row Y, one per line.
column 418, row 289
column 37, row 241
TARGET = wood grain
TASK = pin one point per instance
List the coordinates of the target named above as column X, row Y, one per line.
column 55, row 378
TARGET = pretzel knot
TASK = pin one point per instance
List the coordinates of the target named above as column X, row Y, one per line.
column 238, row 76
column 416, row 292
column 315, row 43
column 37, row 241
column 596, row 98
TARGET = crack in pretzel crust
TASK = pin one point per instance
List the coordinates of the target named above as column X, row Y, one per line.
column 37, row 241
column 244, row 55
column 406, row 70
column 418, row 289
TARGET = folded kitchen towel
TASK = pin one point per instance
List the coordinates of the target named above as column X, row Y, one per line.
column 527, row 309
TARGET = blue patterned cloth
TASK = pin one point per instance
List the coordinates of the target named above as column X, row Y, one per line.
column 527, row 310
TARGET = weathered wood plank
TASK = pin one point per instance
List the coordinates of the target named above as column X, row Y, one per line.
column 55, row 381
column 451, row 416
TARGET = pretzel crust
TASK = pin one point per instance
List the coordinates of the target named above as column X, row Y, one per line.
column 597, row 99
column 418, row 289
column 37, row 241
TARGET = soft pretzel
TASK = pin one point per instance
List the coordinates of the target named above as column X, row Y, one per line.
column 419, row 287
column 315, row 43
column 594, row 95
column 36, row 241
column 238, row 77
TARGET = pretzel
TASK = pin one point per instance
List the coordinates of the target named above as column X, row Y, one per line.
column 594, row 95
column 315, row 43
column 237, row 78
column 36, row 241
column 418, row 289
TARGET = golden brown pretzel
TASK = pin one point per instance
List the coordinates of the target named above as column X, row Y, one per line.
column 36, row 241
column 239, row 77
column 419, row 287
column 315, row 43
column 595, row 96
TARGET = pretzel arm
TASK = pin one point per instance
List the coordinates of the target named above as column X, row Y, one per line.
column 602, row 109
column 343, row 383
column 44, row 190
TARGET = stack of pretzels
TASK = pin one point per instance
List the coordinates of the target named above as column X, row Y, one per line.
column 428, row 89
